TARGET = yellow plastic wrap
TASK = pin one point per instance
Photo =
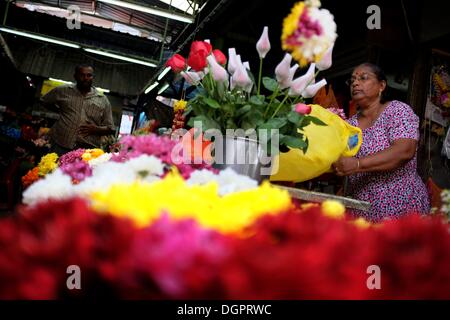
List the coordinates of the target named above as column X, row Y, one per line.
column 326, row 145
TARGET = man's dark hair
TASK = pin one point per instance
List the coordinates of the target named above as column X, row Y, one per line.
column 81, row 66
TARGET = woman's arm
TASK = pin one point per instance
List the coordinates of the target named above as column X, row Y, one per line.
column 400, row 152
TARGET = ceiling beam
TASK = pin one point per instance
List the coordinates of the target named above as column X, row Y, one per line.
column 151, row 31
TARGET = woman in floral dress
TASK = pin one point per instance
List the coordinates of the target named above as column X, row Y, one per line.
column 384, row 172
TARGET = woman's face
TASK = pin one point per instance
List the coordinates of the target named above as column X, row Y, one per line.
column 364, row 85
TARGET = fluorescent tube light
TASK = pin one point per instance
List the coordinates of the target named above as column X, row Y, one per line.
column 163, row 73
column 163, row 88
column 116, row 56
column 150, row 88
column 41, row 38
column 150, row 10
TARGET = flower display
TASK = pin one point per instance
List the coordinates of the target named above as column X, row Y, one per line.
column 47, row 164
column 230, row 97
column 295, row 254
column 144, row 202
column 309, row 33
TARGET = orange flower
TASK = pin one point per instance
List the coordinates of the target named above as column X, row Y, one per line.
column 31, row 176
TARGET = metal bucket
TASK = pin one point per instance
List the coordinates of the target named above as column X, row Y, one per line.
column 245, row 156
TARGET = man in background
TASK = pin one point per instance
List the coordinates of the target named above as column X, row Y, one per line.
column 85, row 113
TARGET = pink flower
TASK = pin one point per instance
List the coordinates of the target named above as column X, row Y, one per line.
column 240, row 79
column 299, row 84
column 219, row 74
column 282, row 69
column 77, row 170
column 311, row 90
column 326, row 61
column 263, row 44
column 302, row 108
column 71, row 157
column 232, row 60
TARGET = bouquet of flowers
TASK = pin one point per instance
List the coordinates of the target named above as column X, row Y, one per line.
column 230, row 97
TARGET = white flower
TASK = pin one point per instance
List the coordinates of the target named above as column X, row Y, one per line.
column 299, row 84
column 246, row 65
column 218, row 72
column 318, row 44
column 241, row 79
column 55, row 185
column 232, row 60
column 145, row 165
column 282, row 69
column 228, row 180
column 311, row 90
column 326, row 61
column 263, row 44
column 192, row 78
column 101, row 159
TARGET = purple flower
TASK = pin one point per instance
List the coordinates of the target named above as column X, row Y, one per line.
column 71, row 157
column 77, row 170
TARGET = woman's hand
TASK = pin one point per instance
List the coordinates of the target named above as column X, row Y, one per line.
column 346, row 166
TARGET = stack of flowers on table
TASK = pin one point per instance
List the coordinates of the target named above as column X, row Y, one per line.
column 141, row 224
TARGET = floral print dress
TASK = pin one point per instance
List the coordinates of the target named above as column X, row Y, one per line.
column 391, row 193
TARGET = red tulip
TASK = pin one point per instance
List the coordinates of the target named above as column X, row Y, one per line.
column 177, row 63
column 200, row 46
column 220, row 57
column 197, row 60
column 302, row 108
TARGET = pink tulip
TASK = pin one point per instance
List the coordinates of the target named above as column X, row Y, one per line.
column 193, row 78
column 282, row 69
column 326, row 61
column 302, row 108
column 287, row 82
column 241, row 79
column 263, row 44
column 311, row 90
column 299, row 84
column 232, row 60
column 219, row 74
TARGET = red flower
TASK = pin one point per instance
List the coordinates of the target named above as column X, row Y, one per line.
column 220, row 57
column 197, row 56
column 198, row 46
column 197, row 60
column 177, row 63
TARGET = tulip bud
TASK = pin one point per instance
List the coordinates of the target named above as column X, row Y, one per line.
column 326, row 61
column 232, row 60
column 282, row 69
column 287, row 82
column 311, row 90
column 302, row 108
column 219, row 74
column 263, row 44
column 299, row 84
column 241, row 78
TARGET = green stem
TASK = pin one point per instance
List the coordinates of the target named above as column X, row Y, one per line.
column 279, row 106
column 259, row 76
column 275, row 94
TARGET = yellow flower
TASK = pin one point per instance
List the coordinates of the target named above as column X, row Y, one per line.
column 90, row 154
column 145, row 202
column 48, row 164
column 333, row 209
column 179, row 105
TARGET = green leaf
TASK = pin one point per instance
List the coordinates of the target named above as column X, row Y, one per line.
column 257, row 100
column 243, row 110
column 293, row 142
column 212, row 103
column 275, row 123
column 270, row 84
column 294, row 117
column 207, row 123
column 317, row 121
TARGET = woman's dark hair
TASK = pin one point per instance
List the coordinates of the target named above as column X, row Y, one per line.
column 379, row 73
